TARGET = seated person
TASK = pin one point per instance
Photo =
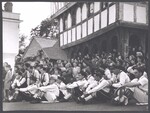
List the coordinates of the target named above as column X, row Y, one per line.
column 64, row 94
column 19, row 82
column 94, row 91
column 50, row 92
column 131, row 70
column 44, row 76
column 105, row 79
column 91, row 82
column 78, row 86
column 56, row 73
column 138, row 86
column 33, row 79
column 120, row 78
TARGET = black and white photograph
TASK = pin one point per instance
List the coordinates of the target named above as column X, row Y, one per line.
column 75, row 56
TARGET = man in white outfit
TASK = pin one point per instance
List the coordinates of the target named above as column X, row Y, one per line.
column 139, row 86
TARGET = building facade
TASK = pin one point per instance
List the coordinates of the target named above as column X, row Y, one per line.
column 93, row 27
column 10, row 30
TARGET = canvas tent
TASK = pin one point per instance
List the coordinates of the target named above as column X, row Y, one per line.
column 50, row 48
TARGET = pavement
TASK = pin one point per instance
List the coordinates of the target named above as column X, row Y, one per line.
column 69, row 106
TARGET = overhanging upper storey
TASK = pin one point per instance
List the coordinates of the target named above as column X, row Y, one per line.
column 85, row 20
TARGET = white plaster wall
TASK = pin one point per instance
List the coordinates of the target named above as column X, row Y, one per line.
column 69, row 36
column 90, row 26
column 61, row 40
column 78, row 32
column 128, row 12
column 112, row 14
column 10, row 30
column 65, row 37
column 141, row 14
column 96, row 22
column 73, row 35
column 84, row 29
column 104, row 19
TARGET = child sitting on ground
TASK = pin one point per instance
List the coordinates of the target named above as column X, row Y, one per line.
column 19, row 82
column 50, row 92
column 64, row 94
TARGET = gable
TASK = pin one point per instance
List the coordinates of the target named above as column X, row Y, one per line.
column 44, row 43
column 32, row 49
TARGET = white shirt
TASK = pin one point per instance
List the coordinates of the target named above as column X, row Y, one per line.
column 52, row 88
column 75, row 71
column 62, row 88
column 18, row 82
column 90, row 80
column 45, row 79
column 108, row 73
column 79, row 83
column 123, row 78
column 144, row 83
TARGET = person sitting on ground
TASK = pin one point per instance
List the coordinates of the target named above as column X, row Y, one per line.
column 120, row 77
column 44, row 80
column 94, row 92
column 77, row 86
column 19, row 82
column 49, row 92
column 56, row 73
column 91, row 82
column 105, row 80
column 64, row 94
column 34, row 81
column 138, row 86
column 44, row 76
column 67, row 75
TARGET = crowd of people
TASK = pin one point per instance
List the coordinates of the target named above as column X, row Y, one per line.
column 83, row 79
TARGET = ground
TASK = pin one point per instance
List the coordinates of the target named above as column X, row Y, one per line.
column 70, row 106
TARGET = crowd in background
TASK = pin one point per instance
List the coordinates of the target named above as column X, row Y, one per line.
column 82, row 78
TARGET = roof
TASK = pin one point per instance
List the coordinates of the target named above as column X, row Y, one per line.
column 55, row 52
column 45, row 42
column 49, row 46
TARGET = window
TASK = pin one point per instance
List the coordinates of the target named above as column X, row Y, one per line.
column 91, row 8
column 61, row 40
column 84, row 12
column 78, row 15
column 96, row 6
column 65, row 38
column 69, row 22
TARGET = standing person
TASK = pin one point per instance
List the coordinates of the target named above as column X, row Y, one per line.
column 3, row 77
column 27, row 73
column 7, row 82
